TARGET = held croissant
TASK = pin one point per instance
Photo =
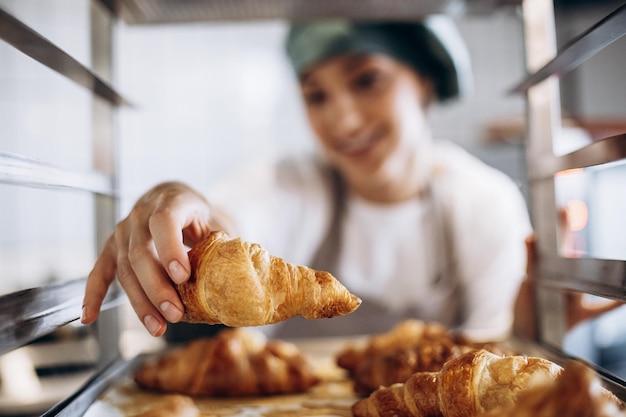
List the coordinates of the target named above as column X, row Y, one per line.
column 238, row 283
column 471, row 384
column 236, row 362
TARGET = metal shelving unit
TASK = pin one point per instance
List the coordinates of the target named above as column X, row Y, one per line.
column 30, row 42
column 546, row 65
column 34, row 313
column 29, row 314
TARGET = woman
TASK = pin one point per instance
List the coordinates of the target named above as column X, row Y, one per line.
column 415, row 227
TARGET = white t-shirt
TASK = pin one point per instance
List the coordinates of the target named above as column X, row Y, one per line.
column 456, row 256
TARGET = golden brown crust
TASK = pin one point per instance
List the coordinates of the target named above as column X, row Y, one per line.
column 238, row 283
column 574, row 393
column 410, row 346
column 236, row 362
column 466, row 386
column 406, row 334
column 480, row 380
column 417, row 397
column 399, row 365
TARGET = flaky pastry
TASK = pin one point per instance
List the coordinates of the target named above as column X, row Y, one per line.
column 238, row 283
column 468, row 385
column 236, row 362
column 577, row 392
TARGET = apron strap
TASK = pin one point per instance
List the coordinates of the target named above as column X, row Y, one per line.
column 371, row 317
column 327, row 256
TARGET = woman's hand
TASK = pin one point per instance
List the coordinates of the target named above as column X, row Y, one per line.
column 577, row 309
column 147, row 251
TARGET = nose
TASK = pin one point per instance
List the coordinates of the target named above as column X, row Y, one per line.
column 344, row 117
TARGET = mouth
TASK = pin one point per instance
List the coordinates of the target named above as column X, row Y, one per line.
column 361, row 145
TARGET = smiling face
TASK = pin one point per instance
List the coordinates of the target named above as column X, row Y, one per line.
column 369, row 115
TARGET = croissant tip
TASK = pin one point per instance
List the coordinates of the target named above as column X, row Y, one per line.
column 351, row 306
column 356, row 303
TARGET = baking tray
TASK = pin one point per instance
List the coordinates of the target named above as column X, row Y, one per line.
column 114, row 393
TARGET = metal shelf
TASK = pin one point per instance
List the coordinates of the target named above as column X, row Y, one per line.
column 79, row 403
column 603, row 33
column 31, row 43
column 605, row 278
column 20, row 170
column 612, row 149
column 29, row 314
column 186, row 11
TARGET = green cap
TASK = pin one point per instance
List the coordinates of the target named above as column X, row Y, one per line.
column 433, row 47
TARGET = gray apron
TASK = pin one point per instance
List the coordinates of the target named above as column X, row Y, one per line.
column 371, row 316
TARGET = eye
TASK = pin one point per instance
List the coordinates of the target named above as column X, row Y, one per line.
column 314, row 97
column 367, row 79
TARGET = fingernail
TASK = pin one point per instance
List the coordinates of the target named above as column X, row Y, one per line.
column 171, row 312
column 177, row 272
column 83, row 315
column 152, row 325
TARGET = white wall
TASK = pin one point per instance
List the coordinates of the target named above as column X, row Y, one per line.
column 212, row 95
column 46, row 117
column 207, row 96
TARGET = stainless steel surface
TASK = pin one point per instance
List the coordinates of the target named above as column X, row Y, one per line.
column 604, row 151
column 24, row 171
column 608, row 30
column 185, row 11
column 606, row 278
column 104, row 156
column 78, row 403
column 29, row 314
column 543, row 114
column 25, row 39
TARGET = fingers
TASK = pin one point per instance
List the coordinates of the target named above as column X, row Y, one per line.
column 172, row 254
column 531, row 256
column 147, row 252
column 579, row 310
column 154, row 296
column 98, row 282
column 185, row 217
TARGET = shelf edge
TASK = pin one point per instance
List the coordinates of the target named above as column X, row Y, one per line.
column 604, row 151
column 19, row 170
column 603, row 33
column 39, row 48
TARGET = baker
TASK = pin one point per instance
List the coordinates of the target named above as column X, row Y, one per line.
column 414, row 225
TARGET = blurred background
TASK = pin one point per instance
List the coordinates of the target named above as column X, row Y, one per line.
column 207, row 97
column 194, row 89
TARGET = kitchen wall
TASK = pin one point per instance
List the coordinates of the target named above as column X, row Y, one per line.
column 48, row 118
column 209, row 96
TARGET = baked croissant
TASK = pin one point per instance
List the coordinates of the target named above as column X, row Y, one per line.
column 238, row 283
column 410, row 346
column 471, row 384
column 235, row 362
column 405, row 335
column 399, row 365
column 574, row 393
